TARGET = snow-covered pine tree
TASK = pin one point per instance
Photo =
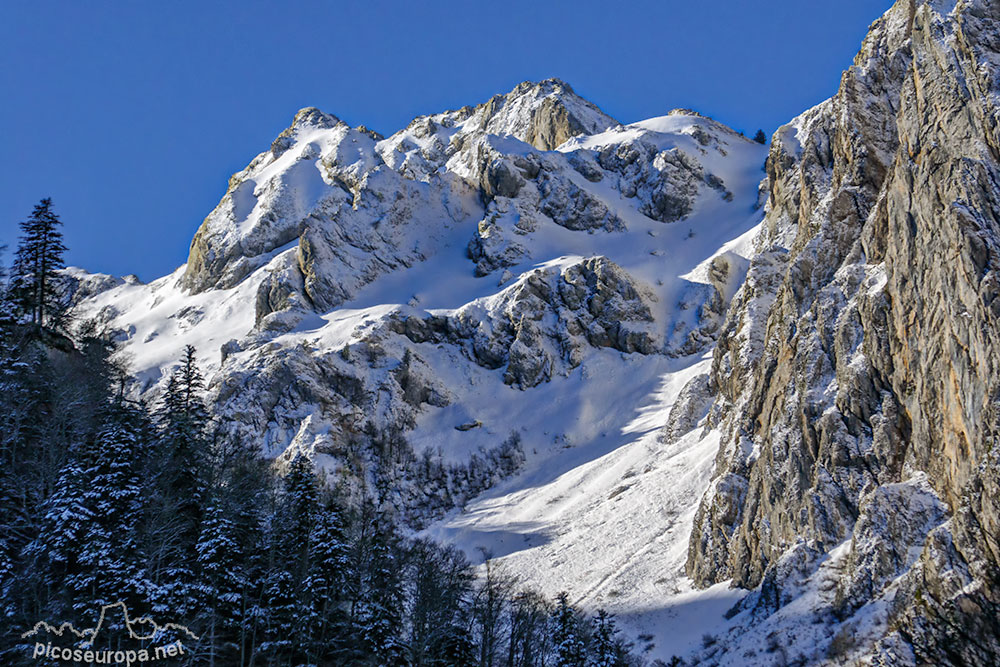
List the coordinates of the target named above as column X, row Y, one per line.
column 184, row 425
column 242, row 494
column 453, row 647
column 567, row 636
column 34, row 280
column 109, row 567
column 221, row 584
column 299, row 506
column 257, row 543
column 6, row 578
column 379, row 614
column 324, row 586
column 10, row 397
column 52, row 557
column 608, row 650
column 7, row 308
column 279, row 610
column 22, row 419
column 178, row 468
column 288, row 600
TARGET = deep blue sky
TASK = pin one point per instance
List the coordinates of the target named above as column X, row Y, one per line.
column 132, row 116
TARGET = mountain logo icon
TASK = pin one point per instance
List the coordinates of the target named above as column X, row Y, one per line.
column 142, row 628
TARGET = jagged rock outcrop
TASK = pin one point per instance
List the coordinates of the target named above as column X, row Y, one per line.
column 79, row 285
column 544, row 115
column 691, row 406
column 527, row 190
column 545, row 323
column 861, row 352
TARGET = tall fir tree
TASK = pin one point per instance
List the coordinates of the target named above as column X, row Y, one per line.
column 608, row 649
column 10, row 385
column 109, row 568
column 178, row 473
column 221, row 586
column 35, row 278
column 53, row 555
column 280, row 609
column 289, row 601
column 183, row 446
column 299, row 506
column 379, row 615
column 324, row 588
column 567, row 636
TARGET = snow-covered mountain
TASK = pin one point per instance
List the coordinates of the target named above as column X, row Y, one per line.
column 521, row 288
column 349, row 286
column 595, row 352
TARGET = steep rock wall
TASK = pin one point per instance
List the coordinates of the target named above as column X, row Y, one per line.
column 862, row 352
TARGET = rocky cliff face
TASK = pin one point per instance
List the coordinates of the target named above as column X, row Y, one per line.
column 858, row 374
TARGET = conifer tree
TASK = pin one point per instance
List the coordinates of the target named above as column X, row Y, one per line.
column 760, row 137
column 35, row 281
column 178, row 470
column 108, row 568
column 184, row 447
column 53, row 556
column 324, row 586
column 567, row 637
column 7, row 608
column 6, row 305
column 288, row 598
column 608, row 650
column 12, row 410
column 380, row 612
column 257, row 550
column 300, row 503
column 280, row 610
column 221, row 580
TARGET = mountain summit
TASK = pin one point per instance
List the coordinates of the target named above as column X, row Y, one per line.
column 298, row 188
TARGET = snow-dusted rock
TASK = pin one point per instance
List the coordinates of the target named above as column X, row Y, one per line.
column 888, row 536
column 545, row 323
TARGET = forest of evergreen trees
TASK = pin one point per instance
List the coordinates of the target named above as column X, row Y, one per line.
column 104, row 498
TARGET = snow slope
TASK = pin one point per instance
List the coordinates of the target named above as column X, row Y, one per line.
column 607, row 520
